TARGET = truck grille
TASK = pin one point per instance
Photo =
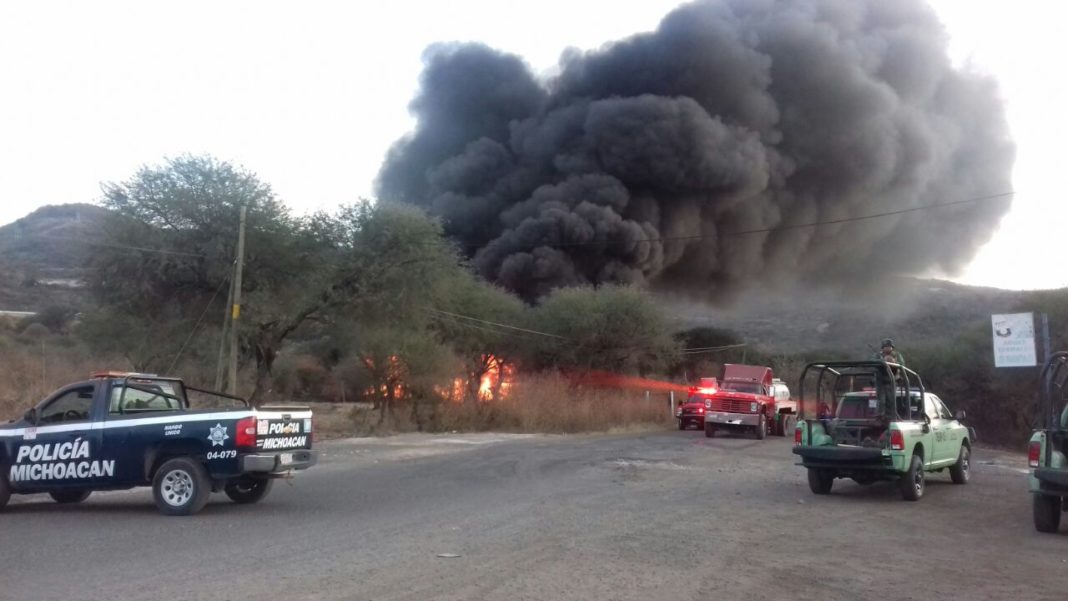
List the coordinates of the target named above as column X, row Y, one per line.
column 731, row 405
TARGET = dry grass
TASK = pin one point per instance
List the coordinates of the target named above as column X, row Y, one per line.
column 28, row 373
column 543, row 404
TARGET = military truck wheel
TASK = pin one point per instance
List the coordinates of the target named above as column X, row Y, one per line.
column 1047, row 511
column 820, row 481
column 710, row 430
column 69, row 496
column 961, row 471
column 248, row 490
column 912, row 481
column 181, row 487
column 5, row 491
column 762, row 428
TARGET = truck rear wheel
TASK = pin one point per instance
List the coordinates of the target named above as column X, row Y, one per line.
column 820, row 481
column 710, row 430
column 69, row 496
column 1047, row 511
column 762, row 428
column 247, row 490
column 912, row 481
column 181, row 487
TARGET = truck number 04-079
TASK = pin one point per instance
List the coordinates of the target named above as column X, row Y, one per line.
column 222, row 455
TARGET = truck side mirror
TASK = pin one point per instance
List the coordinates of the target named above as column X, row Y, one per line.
column 960, row 415
column 31, row 416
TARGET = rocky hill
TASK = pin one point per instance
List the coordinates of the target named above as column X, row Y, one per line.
column 42, row 257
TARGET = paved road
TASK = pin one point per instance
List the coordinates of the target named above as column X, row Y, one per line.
column 655, row 516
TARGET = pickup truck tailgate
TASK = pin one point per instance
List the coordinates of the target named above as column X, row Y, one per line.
column 283, row 430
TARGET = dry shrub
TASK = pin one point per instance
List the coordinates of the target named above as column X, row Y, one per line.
column 28, row 373
column 549, row 404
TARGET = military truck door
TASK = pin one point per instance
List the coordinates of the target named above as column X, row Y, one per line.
column 939, row 429
column 63, row 449
column 954, row 430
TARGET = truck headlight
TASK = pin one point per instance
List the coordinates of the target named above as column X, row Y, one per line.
column 753, row 407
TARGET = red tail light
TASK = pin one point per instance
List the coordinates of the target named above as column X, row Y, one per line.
column 246, row 433
column 1034, row 452
column 797, row 436
column 897, row 440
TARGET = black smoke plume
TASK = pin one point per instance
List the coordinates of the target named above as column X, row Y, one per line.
column 641, row 161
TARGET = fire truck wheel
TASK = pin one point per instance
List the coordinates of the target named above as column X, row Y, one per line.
column 762, row 428
column 710, row 430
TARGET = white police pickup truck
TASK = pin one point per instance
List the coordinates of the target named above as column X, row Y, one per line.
column 118, row 431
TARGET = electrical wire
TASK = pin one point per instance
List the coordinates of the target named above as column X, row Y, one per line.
column 777, row 228
column 196, row 327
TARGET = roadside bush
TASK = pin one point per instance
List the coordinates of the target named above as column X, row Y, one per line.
column 539, row 403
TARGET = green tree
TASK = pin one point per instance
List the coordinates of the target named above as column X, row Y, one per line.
column 481, row 322
column 612, row 328
column 167, row 247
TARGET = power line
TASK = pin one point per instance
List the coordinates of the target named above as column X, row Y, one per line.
column 117, row 246
column 493, row 323
column 196, row 327
column 778, row 228
column 711, row 349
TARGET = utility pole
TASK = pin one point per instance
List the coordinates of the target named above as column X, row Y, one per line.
column 235, row 306
column 220, row 363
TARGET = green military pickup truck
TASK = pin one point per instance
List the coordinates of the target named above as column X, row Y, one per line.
column 1049, row 445
column 872, row 420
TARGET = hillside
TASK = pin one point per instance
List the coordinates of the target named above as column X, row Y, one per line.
column 42, row 257
column 914, row 312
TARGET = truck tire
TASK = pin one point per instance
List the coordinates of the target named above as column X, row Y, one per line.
column 961, row 471
column 710, row 430
column 69, row 496
column 1047, row 511
column 913, row 481
column 5, row 491
column 181, row 487
column 762, row 428
column 682, row 424
column 248, row 490
column 820, row 481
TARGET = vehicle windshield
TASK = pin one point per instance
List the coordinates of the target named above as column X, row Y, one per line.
column 746, row 387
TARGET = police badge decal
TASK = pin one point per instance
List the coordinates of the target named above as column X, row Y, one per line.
column 218, row 435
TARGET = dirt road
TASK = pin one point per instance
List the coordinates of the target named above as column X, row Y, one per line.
column 657, row 516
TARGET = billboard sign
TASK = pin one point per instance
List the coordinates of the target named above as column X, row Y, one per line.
column 1014, row 340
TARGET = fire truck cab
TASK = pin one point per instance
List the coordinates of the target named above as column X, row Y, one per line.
column 749, row 398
